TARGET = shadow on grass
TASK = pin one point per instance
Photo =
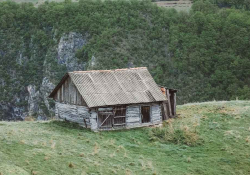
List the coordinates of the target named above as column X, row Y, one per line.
column 70, row 127
column 65, row 125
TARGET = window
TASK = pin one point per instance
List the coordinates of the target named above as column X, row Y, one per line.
column 120, row 116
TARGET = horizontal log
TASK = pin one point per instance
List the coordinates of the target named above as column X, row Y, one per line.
column 119, row 116
column 118, row 109
column 133, row 116
column 135, row 109
column 109, row 126
column 105, row 113
column 133, row 119
column 105, row 109
column 76, row 120
column 131, row 125
column 119, row 124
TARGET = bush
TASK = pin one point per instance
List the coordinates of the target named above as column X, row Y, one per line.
column 29, row 118
column 178, row 134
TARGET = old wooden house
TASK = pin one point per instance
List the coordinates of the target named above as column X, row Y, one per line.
column 113, row 99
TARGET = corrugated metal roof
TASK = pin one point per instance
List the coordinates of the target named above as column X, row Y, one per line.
column 116, row 87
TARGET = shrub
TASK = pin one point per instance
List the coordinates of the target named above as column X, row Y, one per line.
column 29, row 118
column 177, row 134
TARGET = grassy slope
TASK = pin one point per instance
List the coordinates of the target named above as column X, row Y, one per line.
column 50, row 147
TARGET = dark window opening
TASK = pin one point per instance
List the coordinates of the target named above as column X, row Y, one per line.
column 119, row 116
column 145, row 114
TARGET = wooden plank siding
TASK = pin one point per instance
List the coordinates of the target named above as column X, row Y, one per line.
column 69, row 94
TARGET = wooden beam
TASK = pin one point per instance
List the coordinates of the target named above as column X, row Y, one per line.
column 165, row 110
column 101, row 112
column 105, row 120
column 169, row 104
column 174, row 104
column 118, row 124
column 119, row 116
column 105, row 109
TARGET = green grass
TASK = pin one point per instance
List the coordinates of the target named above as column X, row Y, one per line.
column 61, row 148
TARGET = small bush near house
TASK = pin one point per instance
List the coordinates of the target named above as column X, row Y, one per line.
column 175, row 133
column 29, row 118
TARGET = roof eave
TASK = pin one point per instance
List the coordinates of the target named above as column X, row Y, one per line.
column 126, row 104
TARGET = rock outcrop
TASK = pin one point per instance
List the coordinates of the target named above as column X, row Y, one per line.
column 67, row 47
column 32, row 100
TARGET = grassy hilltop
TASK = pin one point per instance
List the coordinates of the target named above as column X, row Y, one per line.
column 206, row 138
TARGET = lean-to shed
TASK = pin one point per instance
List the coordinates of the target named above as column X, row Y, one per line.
column 112, row 99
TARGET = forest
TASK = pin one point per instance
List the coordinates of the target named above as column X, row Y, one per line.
column 204, row 53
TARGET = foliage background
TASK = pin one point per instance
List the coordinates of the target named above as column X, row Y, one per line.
column 204, row 53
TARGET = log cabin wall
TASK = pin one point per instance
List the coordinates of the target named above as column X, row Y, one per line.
column 96, row 122
column 73, row 113
column 133, row 115
column 69, row 94
column 70, row 104
column 156, row 115
column 89, row 118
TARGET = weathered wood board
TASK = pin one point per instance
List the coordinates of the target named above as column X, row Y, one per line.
column 68, row 93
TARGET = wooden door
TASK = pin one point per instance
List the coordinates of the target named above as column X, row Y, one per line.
column 112, row 118
column 105, row 119
column 145, row 114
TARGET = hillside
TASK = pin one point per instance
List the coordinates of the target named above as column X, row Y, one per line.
column 203, row 53
column 222, row 146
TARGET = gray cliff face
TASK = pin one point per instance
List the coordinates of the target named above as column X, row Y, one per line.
column 13, row 110
column 67, row 47
column 33, row 97
column 45, row 90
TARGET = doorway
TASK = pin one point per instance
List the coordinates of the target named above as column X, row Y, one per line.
column 145, row 114
column 112, row 117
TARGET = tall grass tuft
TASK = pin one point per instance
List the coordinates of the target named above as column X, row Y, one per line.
column 71, row 165
column 29, row 118
column 175, row 133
